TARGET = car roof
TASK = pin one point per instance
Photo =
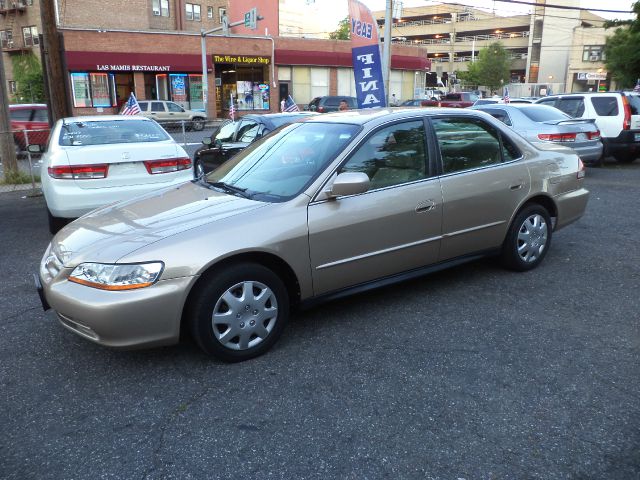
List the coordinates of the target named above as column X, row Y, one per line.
column 364, row 116
column 105, row 118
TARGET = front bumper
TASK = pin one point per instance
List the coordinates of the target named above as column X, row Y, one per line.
column 140, row 318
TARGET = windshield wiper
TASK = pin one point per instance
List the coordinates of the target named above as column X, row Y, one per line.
column 230, row 189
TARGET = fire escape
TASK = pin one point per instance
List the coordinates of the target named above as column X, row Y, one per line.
column 11, row 39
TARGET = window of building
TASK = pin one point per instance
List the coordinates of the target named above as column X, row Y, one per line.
column 193, row 12
column 222, row 11
column 210, row 13
column 160, row 7
column 12, row 87
column 30, row 36
column 6, row 38
column 310, row 82
column 29, row 2
column 93, row 89
column 593, row 53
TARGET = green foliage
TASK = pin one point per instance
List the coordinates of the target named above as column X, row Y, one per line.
column 623, row 54
column 492, row 68
column 343, row 31
column 27, row 73
column 17, row 177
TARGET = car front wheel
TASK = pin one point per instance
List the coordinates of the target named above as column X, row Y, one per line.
column 239, row 312
column 55, row 223
column 528, row 239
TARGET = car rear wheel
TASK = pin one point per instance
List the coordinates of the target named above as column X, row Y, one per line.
column 197, row 124
column 198, row 169
column 528, row 239
column 625, row 157
column 55, row 223
column 239, row 312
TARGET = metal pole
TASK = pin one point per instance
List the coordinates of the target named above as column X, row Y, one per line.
column 205, row 78
column 26, row 142
column 386, row 52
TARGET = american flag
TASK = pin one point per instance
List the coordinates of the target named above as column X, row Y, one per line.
column 232, row 110
column 637, row 87
column 290, row 105
column 131, row 107
column 505, row 95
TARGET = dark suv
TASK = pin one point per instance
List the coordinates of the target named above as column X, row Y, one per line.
column 29, row 124
column 330, row 104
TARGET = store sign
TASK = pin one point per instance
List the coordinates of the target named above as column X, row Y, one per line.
column 592, row 75
column 134, row 68
column 242, row 59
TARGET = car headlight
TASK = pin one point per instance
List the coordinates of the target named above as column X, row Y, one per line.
column 116, row 277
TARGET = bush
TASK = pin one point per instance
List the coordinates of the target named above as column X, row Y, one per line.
column 17, row 177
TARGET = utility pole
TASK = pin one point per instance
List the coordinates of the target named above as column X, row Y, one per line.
column 386, row 48
column 54, row 63
column 7, row 151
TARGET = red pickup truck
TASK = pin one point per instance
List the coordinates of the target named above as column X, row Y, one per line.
column 453, row 100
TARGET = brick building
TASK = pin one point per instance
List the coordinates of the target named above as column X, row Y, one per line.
column 154, row 50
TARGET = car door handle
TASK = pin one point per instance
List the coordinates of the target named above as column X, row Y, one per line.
column 517, row 186
column 425, row 206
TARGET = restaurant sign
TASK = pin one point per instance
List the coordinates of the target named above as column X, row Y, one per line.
column 242, row 59
column 134, row 68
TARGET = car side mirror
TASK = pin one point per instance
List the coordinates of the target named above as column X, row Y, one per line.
column 34, row 148
column 207, row 141
column 348, row 183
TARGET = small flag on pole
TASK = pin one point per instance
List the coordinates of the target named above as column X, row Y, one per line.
column 637, row 87
column 131, row 107
column 232, row 110
column 505, row 95
column 290, row 105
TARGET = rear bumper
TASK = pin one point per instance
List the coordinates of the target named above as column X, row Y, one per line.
column 571, row 206
column 591, row 153
column 628, row 142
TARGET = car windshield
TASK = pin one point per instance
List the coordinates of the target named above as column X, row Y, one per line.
column 279, row 166
column 106, row 132
column 542, row 113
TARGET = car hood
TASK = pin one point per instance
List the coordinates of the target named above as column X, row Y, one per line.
column 109, row 233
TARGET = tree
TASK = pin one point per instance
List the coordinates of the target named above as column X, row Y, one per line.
column 27, row 74
column 621, row 49
column 492, row 68
column 343, row 32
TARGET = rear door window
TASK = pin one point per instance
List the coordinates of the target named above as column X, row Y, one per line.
column 499, row 115
column 606, row 106
column 157, row 107
column 40, row 115
column 572, row 106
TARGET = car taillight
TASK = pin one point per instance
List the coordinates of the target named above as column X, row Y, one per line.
column 582, row 171
column 321, row 109
column 79, row 172
column 593, row 135
column 626, row 123
column 557, row 137
column 167, row 165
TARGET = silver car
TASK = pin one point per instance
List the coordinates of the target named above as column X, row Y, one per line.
column 541, row 123
column 316, row 210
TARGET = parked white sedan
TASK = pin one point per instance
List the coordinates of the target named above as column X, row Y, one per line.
column 95, row 161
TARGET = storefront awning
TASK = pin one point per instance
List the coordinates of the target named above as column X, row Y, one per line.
column 135, row 62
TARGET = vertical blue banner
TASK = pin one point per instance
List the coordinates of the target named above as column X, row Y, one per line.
column 367, row 70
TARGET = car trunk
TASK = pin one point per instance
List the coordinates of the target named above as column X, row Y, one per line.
column 125, row 163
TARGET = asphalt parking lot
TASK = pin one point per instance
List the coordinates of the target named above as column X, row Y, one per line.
column 472, row 373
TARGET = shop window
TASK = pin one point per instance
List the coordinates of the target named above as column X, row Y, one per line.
column 309, row 83
column 93, row 90
column 192, row 12
column 160, row 7
column 30, row 36
column 346, row 82
column 210, row 13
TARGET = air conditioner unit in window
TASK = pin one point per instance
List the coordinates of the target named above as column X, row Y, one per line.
column 594, row 58
column 156, row 12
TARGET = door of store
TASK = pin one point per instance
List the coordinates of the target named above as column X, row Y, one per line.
column 284, row 92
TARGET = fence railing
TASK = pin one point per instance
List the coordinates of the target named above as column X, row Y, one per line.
column 28, row 163
column 446, row 39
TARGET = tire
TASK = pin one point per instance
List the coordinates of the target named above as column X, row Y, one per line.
column 230, row 327
column 528, row 239
column 55, row 223
column 625, row 157
column 198, row 169
column 197, row 124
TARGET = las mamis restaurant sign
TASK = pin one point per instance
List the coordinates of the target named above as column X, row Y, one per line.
column 365, row 55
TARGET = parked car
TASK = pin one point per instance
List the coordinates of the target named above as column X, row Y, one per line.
column 494, row 100
column 384, row 196
column 32, row 117
column 94, row 161
column 617, row 116
column 164, row 111
column 331, row 103
column 416, row 102
column 540, row 123
column 235, row 136
column 453, row 100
